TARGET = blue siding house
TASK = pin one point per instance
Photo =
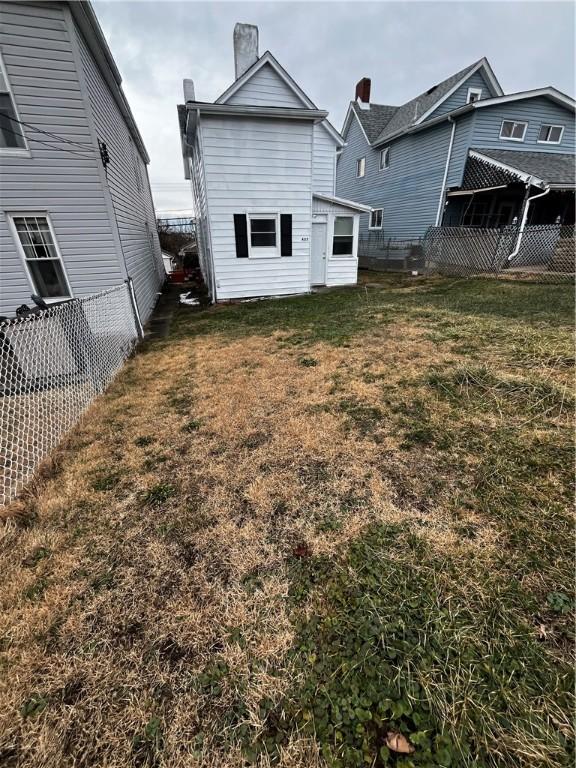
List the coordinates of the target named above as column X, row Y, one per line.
column 461, row 154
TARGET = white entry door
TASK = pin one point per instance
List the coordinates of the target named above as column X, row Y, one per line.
column 318, row 276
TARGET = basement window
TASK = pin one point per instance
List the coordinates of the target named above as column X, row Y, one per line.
column 343, row 241
column 510, row 130
column 550, row 134
column 11, row 135
column 42, row 258
column 360, row 167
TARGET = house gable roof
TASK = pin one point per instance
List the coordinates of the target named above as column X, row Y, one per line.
column 415, row 111
column 371, row 120
column 268, row 59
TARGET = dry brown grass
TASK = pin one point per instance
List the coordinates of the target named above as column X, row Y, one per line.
column 211, row 460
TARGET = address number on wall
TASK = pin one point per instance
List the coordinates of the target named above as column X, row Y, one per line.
column 304, row 239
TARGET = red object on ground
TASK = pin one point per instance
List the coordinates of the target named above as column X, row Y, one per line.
column 178, row 276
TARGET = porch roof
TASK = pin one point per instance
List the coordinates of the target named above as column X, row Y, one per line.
column 499, row 167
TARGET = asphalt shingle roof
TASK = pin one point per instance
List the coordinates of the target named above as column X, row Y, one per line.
column 381, row 121
column 374, row 119
column 551, row 167
column 409, row 113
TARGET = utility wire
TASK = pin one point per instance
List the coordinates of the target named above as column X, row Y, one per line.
column 46, row 133
column 52, row 145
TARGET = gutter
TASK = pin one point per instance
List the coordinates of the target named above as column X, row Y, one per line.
column 317, row 115
column 444, row 179
column 524, row 218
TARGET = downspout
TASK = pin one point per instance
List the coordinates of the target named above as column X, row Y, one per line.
column 443, row 188
column 525, row 217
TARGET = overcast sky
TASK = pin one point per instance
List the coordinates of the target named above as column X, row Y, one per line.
column 404, row 47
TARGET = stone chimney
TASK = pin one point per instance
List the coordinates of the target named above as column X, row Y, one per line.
column 363, row 93
column 245, row 47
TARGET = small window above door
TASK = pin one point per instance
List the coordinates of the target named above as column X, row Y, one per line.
column 376, row 217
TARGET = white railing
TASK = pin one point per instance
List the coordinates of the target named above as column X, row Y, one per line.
column 52, row 365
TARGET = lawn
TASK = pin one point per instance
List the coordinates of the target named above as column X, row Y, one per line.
column 308, row 532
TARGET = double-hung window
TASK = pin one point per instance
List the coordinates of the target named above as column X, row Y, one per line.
column 376, row 219
column 11, row 135
column 550, row 134
column 360, row 167
column 263, row 235
column 41, row 256
column 343, row 240
column 512, row 130
column 384, row 158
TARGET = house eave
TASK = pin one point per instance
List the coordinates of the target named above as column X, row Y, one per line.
column 522, row 175
column 87, row 21
column 243, row 110
column 550, row 92
column 342, row 201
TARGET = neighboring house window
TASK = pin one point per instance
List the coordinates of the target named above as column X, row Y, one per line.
column 376, row 219
column 41, row 256
column 343, row 242
column 360, row 167
column 384, row 158
column 510, row 130
column 474, row 94
column 11, row 135
column 550, row 134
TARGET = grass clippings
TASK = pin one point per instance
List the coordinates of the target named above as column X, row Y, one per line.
column 332, row 530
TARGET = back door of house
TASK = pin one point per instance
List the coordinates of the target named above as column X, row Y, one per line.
column 318, row 276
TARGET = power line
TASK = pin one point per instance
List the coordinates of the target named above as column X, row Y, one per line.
column 46, row 133
column 51, row 145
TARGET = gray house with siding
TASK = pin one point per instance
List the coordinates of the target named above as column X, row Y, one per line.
column 76, row 211
column 461, row 154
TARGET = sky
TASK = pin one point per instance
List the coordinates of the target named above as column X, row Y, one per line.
column 404, row 47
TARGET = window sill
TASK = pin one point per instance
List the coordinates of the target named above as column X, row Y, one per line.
column 15, row 152
column 553, row 143
column 508, row 138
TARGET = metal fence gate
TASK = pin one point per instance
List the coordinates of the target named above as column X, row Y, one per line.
column 52, row 365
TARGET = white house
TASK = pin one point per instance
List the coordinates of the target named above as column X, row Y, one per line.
column 76, row 212
column 262, row 162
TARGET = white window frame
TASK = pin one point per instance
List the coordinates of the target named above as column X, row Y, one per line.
column 550, row 125
column 25, row 150
column 361, row 166
column 39, row 215
column 266, row 251
column 375, row 210
column 355, row 229
column 473, row 92
column 384, row 154
column 515, row 122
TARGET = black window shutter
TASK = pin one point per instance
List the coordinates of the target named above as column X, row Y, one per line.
column 241, row 233
column 285, row 234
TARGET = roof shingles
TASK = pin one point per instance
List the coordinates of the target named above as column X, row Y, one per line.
column 549, row 167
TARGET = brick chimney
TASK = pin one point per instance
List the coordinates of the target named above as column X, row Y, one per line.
column 363, row 93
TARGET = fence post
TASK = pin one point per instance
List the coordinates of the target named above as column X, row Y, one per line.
column 134, row 305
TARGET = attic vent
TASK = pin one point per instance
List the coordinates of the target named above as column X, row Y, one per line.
column 431, row 90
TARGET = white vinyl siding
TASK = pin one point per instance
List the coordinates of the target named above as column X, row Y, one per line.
column 340, row 270
column 38, row 55
column 324, row 170
column 265, row 89
column 126, row 174
column 258, row 166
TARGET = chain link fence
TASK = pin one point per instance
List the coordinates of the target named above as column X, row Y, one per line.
column 543, row 253
column 390, row 254
column 52, row 365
